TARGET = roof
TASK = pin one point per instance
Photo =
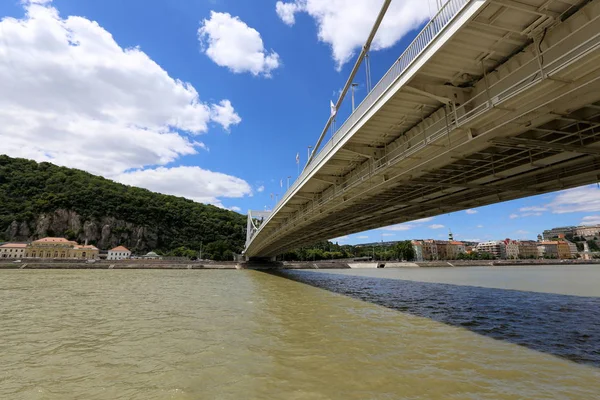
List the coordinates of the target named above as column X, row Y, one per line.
column 13, row 245
column 151, row 254
column 53, row 240
column 89, row 247
column 119, row 248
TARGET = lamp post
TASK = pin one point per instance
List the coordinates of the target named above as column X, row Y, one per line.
column 354, row 85
column 288, row 187
column 308, row 151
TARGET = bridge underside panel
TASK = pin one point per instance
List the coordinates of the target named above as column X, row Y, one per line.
column 507, row 106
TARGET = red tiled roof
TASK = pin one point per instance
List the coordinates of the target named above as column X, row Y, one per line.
column 53, row 240
column 13, row 245
column 120, row 248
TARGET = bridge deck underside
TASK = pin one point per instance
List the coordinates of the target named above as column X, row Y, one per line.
column 507, row 107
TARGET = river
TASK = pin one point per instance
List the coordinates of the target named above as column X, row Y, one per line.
column 461, row 333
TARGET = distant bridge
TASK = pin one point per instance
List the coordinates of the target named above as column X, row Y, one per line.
column 493, row 101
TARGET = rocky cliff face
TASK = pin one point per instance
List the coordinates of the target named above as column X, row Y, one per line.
column 105, row 233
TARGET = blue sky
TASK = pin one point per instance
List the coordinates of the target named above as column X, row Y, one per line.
column 212, row 100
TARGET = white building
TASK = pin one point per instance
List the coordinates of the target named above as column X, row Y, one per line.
column 152, row 256
column 12, row 250
column 493, row 247
column 511, row 249
column 588, row 231
column 118, row 253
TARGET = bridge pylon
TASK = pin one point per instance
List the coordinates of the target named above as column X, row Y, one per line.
column 255, row 220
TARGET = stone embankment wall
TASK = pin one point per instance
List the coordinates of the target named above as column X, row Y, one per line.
column 122, row 264
column 206, row 264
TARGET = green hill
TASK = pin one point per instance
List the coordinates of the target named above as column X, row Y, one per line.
column 42, row 199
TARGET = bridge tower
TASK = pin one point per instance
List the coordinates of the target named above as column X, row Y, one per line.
column 255, row 220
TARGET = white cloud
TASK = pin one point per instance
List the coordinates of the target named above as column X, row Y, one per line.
column 260, row 189
column 406, row 226
column 193, row 183
column 533, row 209
column 235, row 208
column 400, row 227
column 230, row 43
column 581, row 199
column 531, row 214
column 224, row 114
column 345, row 24
column 363, row 237
column 340, row 239
column 72, row 96
column 472, row 240
column 287, row 11
column 480, row 226
column 591, row 220
column 471, row 211
column 388, row 234
column 418, row 221
column 513, row 216
column 436, row 226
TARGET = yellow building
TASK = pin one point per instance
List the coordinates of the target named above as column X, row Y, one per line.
column 564, row 250
column 554, row 249
column 51, row 247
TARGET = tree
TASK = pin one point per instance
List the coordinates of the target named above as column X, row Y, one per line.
column 593, row 245
column 405, row 251
column 29, row 189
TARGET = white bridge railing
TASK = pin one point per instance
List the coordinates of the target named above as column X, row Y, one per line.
column 437, row 23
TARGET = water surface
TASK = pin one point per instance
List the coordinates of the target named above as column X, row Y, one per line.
column 248, row 335
column 577, row 280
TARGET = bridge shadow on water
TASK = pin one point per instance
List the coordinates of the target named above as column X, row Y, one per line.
column 565, row 326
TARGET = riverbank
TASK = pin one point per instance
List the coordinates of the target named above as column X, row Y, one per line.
column 118, row 265
column 430, row 264
column 177, row 265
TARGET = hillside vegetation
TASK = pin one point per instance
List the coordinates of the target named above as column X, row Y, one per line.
column 42, row 199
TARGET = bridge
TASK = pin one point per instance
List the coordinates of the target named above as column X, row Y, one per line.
column 493, row 100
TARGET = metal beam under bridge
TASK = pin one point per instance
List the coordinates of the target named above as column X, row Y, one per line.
column 493, row 101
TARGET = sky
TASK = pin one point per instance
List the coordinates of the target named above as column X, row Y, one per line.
column 212, row 100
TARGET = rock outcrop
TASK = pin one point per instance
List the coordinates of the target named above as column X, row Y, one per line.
column 105, row 233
